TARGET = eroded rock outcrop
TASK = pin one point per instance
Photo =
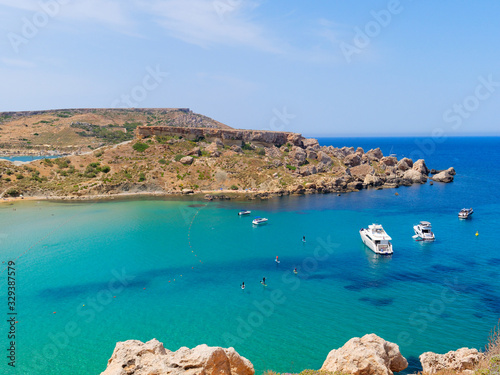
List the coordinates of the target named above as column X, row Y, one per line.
column 444, row 176
column 368, row 355
column 460, row 360
column 137, row 358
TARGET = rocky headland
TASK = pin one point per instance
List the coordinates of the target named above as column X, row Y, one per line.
column 220, row 163
column 368, row 355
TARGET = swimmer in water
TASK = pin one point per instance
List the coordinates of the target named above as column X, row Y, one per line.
column 243, row 285
column 295, row 270
column 263, row 282
column 303, row 238
column 277, row 260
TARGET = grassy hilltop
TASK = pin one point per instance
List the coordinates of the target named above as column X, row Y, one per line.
column 79, row 130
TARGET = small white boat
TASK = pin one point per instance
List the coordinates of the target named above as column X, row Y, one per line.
column 465, row 213
column 244, row 212
column 259, row 221
column 423, row 231
column 376, row 239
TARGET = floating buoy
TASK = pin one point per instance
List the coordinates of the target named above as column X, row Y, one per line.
column 396, row 193
column 114, row 296
column 54, row 312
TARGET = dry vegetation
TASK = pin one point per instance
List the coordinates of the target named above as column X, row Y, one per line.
column 78, row 130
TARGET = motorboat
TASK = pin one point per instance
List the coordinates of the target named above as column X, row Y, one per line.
column 259, row 221
column 423, row 231
column 376, row 239
column 465, row 213
column 244, row 212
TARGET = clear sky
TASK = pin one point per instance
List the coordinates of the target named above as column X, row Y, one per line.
column 330, row 67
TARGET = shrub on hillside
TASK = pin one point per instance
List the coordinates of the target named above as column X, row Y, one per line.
column 140, row 147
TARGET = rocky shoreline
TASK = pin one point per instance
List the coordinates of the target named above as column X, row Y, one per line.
column 215, row 171
column 368, row 355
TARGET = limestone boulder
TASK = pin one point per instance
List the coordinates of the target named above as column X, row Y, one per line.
column 415, row 176
column 361, row 170
column 237, row 149
column 311, row 143
column 420, row 166
column 195, row 151
column 187, row 160
column 368, row 355
column 404, row 164
column 372, row 180
column 213, row 150
column 298, row 156
column 444, row 176
column 138, row 358
column 311, row 154
column 389, row 161
column 460, row 360
column 325, row 159
column 374, row 154
column 352, row 160
column 308, row 170
column 360, row 151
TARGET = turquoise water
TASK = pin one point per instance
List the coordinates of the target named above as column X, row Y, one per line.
column 26, row 158
column 171, row 270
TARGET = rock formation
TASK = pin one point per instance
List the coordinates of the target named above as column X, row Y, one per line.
column 460, row 360
column 444, row 176
column 137, row 358
column 228, row 136
column 368, row 355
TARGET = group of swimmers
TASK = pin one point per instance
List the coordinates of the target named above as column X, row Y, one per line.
column 263, row 281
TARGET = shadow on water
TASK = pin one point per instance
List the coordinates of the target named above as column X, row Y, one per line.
column 378, row 302
column 414, row 366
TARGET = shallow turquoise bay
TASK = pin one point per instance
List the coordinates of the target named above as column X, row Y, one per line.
column 172, row 270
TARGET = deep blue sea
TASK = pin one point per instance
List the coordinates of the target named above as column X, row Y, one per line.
column 90, row 274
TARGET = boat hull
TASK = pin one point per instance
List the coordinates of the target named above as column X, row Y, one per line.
column 423, row 237
column 377, row 249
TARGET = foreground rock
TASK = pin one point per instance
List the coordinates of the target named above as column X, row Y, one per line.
column 137, row 358
column 462, row 360
column 368, row 355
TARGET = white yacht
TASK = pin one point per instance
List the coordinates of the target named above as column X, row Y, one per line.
column 259, row 221
column 244, row 212
column 423, row 231
column 465, row 213
column 376, row 239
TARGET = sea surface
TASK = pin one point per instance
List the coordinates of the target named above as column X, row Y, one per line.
column 88, row 275
column 27, row 157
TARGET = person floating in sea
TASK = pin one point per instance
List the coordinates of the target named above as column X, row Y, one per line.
column 277, row 260
column 295, row 270
column 263, row 282
column 243, row 285
column 303, row 238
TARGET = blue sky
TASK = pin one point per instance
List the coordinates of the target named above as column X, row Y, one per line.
column 398, row 67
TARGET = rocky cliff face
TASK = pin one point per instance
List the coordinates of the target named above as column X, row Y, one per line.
column 228, row 137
